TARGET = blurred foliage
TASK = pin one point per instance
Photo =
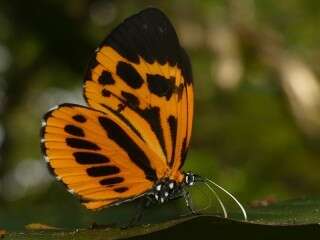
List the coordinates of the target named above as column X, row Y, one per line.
column 256, row 129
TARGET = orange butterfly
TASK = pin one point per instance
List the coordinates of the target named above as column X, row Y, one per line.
column 133, row 138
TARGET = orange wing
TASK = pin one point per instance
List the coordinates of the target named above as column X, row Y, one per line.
column 142, row 75
column 97, row 156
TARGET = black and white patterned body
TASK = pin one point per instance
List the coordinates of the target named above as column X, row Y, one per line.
column 167, row 189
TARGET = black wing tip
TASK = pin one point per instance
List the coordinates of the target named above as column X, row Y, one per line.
column 149, row 11
column 186, row 66
column 143, row 15
column 152, row 11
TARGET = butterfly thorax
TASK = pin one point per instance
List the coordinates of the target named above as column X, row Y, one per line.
column 167, row 189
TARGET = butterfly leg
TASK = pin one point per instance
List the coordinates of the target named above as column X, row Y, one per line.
column 188, row 199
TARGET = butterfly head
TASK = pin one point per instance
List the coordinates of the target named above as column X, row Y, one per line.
column 168, row 189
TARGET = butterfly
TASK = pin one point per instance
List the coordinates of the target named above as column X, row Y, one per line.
column 132, row 139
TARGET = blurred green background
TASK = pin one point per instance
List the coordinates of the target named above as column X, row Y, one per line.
column 257, row 109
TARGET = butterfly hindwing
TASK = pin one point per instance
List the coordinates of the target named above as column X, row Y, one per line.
column 98, row 157
column 142, row 75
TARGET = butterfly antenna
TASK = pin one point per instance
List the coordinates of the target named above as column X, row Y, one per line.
column 225, row 214
column 207, row 180
column 231, row 196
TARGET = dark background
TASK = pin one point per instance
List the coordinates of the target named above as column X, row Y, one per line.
column 257, row 97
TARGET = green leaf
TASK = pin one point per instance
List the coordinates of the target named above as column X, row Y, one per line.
column 292, row 212
column 288, row 218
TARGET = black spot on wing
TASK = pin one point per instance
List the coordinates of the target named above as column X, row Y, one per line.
column 90, row 158
column 129, row 75
column 74, row 130
column 102, row 171
column 160, row 86
column 81, row 144
column 135, row 153
column 111, row 181
column 121, row 189
column 79, row 118
column 131, row 99
column 105, row 93
column 106, row 78
column 121, row 106
column 173, row 131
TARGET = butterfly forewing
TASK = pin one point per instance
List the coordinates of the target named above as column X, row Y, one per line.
column 142, row 75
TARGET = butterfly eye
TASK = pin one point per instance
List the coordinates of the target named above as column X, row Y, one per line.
column 189, row 179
